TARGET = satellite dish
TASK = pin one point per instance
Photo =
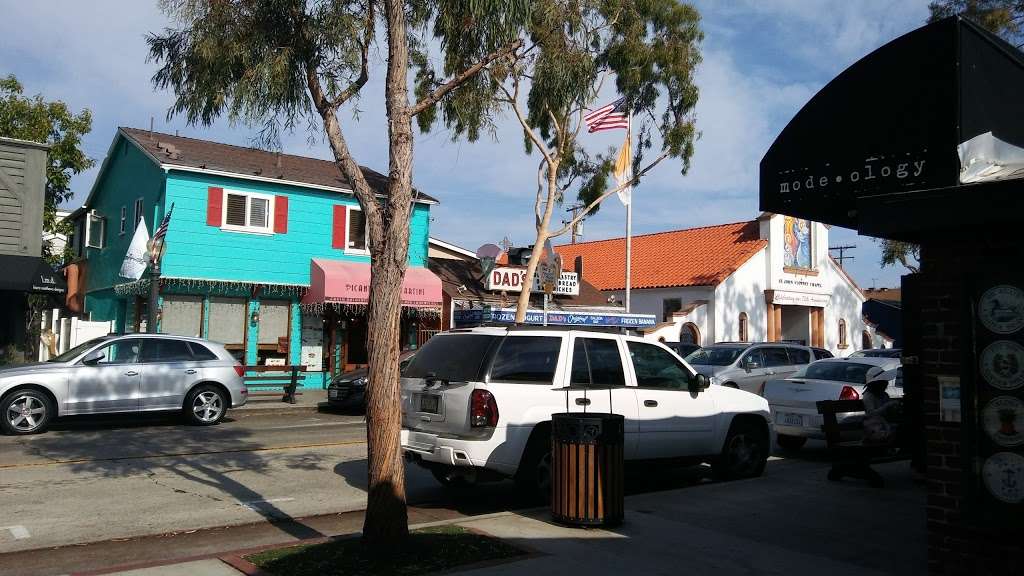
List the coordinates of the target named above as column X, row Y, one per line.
column 489, row 251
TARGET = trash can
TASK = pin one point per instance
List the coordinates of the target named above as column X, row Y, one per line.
column 587, row 468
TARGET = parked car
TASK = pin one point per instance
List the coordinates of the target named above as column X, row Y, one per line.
column 821, row 353
column 877, row 353
column 477, row 404
column 683, row 349
column 123, row 373
column 348, row 390
column 794, row 400
column 748, row 366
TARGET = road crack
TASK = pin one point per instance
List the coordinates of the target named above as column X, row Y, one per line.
column 152, row 477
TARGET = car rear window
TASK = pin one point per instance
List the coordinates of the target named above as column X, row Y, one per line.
column 200, row 352
column 596, row 362
column 531, row 359
column 452, row 357
column 799, row 355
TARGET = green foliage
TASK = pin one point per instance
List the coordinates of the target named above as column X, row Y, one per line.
column 904, row 253
column 1002, row 17
column 33, row 118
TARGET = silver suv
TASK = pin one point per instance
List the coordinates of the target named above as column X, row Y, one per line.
column 748, row 366
column 123, row 373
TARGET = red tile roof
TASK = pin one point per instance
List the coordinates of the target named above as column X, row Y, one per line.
column 694, row 257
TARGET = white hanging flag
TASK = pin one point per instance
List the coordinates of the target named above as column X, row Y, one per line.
column 135, row 260
column 623, row 171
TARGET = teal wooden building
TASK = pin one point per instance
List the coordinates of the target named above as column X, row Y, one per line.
column 266, row 252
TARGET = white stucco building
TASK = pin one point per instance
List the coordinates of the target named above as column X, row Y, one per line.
column 763, row 280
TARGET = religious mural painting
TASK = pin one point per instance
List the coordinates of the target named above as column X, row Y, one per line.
column 797, row 243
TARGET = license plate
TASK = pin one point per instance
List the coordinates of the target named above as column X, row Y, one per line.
column 429, row 403
column 792, row 419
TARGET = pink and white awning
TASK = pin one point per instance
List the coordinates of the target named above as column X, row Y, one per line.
column 334, row 281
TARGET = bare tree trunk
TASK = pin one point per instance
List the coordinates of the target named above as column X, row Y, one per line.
column 387, row 521
column 538, row 245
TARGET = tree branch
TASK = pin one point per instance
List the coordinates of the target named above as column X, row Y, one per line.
column 438, row 93
column 513, row 100
column 590, row 207
column 540, row 190
column 364, row 71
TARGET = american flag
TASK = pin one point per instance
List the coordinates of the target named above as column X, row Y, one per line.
column 608, row 117
column 161, row 230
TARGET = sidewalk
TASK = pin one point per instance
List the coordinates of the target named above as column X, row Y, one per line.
column 791, row 522
column 307, row 400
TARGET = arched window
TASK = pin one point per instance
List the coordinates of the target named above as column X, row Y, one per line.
column 689, row 334
column 842, row 333
column 744, row 336
column 865, row 340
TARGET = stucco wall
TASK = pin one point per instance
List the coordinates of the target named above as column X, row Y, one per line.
column 743, row 291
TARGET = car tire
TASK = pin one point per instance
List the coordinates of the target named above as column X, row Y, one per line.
column 205, row 405
column 533, row 477
column 26, row 411
column 745, row 453
column 790, row 443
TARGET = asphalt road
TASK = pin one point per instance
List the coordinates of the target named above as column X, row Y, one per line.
column 103, row 492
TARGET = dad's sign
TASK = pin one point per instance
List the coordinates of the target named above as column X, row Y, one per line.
column 512, row 280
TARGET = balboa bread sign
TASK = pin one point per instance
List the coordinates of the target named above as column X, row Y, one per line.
column 512, row 280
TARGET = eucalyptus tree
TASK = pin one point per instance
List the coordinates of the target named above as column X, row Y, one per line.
column 644, row 52
column 279, row 63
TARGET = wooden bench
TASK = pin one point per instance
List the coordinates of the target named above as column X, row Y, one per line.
column 286, row 377
column 853, row 458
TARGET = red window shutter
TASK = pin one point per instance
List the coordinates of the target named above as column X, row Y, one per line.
column 338, row 232
column 280, row 214
column 214, row 203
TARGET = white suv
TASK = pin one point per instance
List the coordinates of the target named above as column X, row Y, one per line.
column 477, row 404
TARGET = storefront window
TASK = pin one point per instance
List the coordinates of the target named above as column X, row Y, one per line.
column 274, row 332
column 227, row 324
column 182, row 315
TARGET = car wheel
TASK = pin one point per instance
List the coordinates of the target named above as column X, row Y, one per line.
column 745, row 453
column 26, row 412
column 205, row 405
column 534, row 474
column 791, row 443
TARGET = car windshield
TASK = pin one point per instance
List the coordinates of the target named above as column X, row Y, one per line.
column 715, row 356
column 67, row 356
column 851, row 372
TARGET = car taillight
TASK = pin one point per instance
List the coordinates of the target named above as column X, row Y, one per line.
column 849, row 393
column 483, row 410
column 239, row 370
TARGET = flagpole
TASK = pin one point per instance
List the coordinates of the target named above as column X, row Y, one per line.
column 629, row 222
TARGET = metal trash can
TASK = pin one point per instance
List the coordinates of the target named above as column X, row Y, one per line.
column 587, row 468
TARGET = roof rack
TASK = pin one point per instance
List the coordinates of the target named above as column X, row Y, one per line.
column 561, row 327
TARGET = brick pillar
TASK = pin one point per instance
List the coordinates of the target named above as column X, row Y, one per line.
column 959, row 542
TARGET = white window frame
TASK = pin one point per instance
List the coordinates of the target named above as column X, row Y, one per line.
column 124, row 219
column 366, row 237
column 100, row 244
column 139, row 205
column 268, row 231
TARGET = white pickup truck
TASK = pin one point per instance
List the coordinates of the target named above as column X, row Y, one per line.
column 477, row 404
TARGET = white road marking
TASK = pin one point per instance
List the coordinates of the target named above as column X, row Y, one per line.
column 18, row 531
column 254, row 504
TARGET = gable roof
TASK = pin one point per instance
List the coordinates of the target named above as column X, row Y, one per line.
column 693, row 257
column 192, row 154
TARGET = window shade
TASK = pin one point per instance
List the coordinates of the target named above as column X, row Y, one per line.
column 273, row 321
column 356, row 230
column 236, row 210
column 227, row 320
column 258, row 211
column 182, row 315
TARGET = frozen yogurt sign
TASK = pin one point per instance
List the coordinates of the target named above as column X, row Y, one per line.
column 512, row 279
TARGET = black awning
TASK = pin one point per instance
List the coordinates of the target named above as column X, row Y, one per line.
column 892, row 121
column 30, row 274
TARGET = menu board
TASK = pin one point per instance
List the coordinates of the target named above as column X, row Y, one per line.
column 994, row 407
column 312, row 342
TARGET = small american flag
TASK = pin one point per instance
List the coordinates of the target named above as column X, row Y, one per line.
column 161, row 230
column 608, row 117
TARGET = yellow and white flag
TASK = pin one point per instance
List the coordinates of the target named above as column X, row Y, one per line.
column 624, row 170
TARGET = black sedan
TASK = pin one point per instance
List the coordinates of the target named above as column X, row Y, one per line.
column 348, row 390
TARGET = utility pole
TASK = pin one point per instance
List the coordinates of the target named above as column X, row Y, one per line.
column 842, row 253
column 574, row 233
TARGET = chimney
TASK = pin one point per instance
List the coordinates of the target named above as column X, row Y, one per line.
column 577, row 265
column 278, row 160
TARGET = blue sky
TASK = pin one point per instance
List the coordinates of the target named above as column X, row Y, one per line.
column 763, row 59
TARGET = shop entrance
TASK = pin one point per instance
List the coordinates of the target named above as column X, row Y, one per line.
column 796, row 324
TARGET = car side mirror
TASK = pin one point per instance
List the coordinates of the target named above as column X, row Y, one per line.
column 698, row 383
column 751, row 365
column 93, row 358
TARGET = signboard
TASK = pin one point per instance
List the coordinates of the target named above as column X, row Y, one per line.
column 509, row 279
column 555, row 318
column 312, row 343
column 800, row 298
